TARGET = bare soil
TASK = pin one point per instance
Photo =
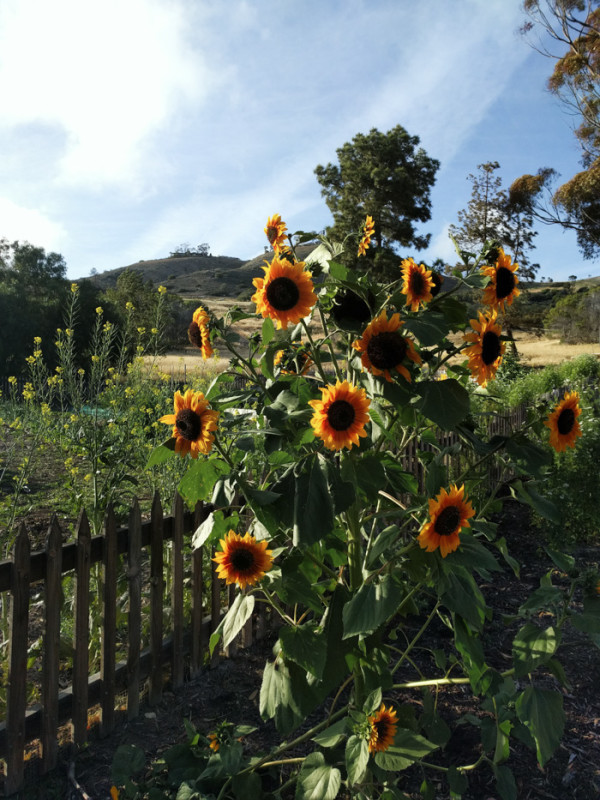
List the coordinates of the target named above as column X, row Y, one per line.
column 230, row 691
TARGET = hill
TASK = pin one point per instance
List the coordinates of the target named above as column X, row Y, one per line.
column 216, row 276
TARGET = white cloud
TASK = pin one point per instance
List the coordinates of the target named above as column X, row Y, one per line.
column 32, row 225
column 108, row 74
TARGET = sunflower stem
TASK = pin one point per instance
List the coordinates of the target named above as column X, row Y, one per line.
column 417, row 636
column 338, row 372
column 315, row 352
column 356, row 579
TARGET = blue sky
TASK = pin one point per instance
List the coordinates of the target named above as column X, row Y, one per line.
column 130, row 126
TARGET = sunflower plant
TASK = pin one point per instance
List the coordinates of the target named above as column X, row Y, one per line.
column 364, row 560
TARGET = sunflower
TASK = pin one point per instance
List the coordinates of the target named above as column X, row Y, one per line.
column 275, row 230
column 502, row 287
column 243, row 559
column 383, row 729
column 563, row 422
column 448, row 513
column 349, row 308
column 438, row 282
column 294, row 360
column 199, row 334
column 383, row 348
column 192, row 423
column 285, row 293
column 486, row 351
column 417, row 284
column 368, row 231
column 341, row 415
column 214, row 741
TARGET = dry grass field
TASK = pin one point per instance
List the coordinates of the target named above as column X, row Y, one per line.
column 535, row 351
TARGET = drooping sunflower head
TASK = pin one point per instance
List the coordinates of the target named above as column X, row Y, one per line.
column 243, row 559
column 502, row 288
column 367, row 234
column 486, row 349
column 438, row 282
column 293, row 360
column 286, row 293
column 383, row 349
column 448, row 514
column 563, row 423
column 276, row 231
column 199, row 332
column 384, row 724
column 193, row 423
column 417, row 283
column 340, row 416
column 350, row 310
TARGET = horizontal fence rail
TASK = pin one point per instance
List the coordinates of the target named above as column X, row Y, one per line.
column 130, row 562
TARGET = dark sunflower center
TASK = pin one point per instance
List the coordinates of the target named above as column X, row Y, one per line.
column 272, row 233
column 447, row 522
column 283, row 294
column 350, row 306
column 242, row 559
column 490, row 347
column 340, row 415
column 417, row 284
column 382, row 727
column 505, row 282
column 386, row 350
column 565, row 422
column 437, row 283
column 188, row 424
column 195, row 334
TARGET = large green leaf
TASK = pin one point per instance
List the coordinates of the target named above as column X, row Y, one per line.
column 304, row 645
column 357, row 758
column 408, row 747
column 277, row 698
column 459, row 592
column 318, row 780
column 532, row 647
column 162, row 453
column 505, row 782
column 200, row 478
column 444, row 402
column 372, row 605
column 313, row 504
column 544, row 507
column 541, row 711
column 232, row 623
column 215, row 526
column 430, row 328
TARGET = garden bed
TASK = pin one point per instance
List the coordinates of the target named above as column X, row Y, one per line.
column 230, row 691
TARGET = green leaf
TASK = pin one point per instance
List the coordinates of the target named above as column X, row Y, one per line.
column 357, row 758
column 533, row 457
column 541, row 711
column 313, row 505
column 276, row 699
column 305, row 646
column 372, row 605
column 473, row 555
column 444, row 402
column 457, row 781
column 370, row 476
column 408, row 747
column 384, row 542
column 589, row 620
column 162, row 453
column 505, row 781
column 128, row 760
column 430, row 328
column 200, row 478
column 214, row 527
column 318, row 780
column 268, row 331
column 332, row 735
column 544, row 507
column 533, row 647
column 459, row 592
column 239, row 613
column 338, row 271
column 563, row 561
column 247, row 787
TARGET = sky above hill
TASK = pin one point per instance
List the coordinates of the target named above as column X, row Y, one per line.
column 128, row 127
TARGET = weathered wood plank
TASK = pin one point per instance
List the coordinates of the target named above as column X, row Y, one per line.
column 134, row 624
column 156, row 600
column 109, row 627
column 81, row 632
column 177, row 594
column 198, row 643
column 17, row 676
column 50, row 673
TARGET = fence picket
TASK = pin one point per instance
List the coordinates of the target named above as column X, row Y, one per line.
column 197, row 656
column 82, row 632
column 134, row 623
column 109, row 627
column 177, row 593
column 51, row 662
column 17, row 686
column 156, row 601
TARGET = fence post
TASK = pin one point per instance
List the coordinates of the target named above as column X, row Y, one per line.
column 200, row 514
column 135, row 610
column 156, row 601
column 51, row 646
column 177, row 593
column 82, row 632
column 17, row 677
column 109, row 627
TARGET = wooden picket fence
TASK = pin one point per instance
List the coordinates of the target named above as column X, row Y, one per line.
column 135, row 555
column 141, row 548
